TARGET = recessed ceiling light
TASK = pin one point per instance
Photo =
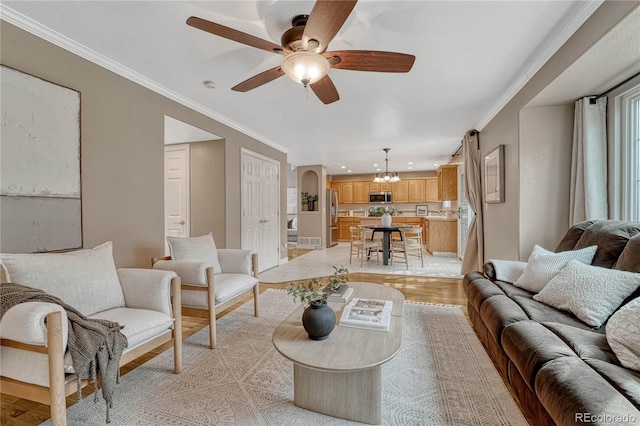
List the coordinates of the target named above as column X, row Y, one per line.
column 375, row 165
column 209, row 84
column 348, row 171
column 409, row 167
column 343, row 167
column 410, row 163
column 377, row 170
column 436, row 164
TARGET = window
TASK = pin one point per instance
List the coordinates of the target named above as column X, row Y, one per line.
column 630, row 150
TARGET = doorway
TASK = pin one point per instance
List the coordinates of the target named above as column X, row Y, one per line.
column 260, row 206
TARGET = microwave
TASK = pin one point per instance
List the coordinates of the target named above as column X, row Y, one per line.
column 380, row 198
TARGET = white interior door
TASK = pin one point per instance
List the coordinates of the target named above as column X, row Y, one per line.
column 176, row 191
column 260, row 208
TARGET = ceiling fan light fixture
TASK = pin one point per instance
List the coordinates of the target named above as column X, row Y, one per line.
column 305, row 67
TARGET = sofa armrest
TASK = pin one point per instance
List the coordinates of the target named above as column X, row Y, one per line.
column 193, row 273
column 147, row 288
column 236, row 261
column 25, row 323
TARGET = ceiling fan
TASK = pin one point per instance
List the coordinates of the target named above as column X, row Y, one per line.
column 304, row 46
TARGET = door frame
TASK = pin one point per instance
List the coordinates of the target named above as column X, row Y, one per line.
column 243, row 152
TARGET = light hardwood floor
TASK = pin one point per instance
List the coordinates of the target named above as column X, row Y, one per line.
column 20, row 412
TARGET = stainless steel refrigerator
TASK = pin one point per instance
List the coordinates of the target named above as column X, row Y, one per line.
column 332, row 217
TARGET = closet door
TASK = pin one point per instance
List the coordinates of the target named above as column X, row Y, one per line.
column 261, row 208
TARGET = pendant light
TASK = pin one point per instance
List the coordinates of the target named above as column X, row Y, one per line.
column 386, row 176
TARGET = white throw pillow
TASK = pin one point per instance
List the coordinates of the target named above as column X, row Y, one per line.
column 195, row 249
column 591, row 293
column 543, row 265
column 85, row 279
column 623, row 334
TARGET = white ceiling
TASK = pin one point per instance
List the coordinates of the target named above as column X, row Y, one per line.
column 471, row 57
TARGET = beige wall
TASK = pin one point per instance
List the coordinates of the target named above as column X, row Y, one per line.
column 502, row 221
column 207, row 169
column 545, row 171
column 122, row 149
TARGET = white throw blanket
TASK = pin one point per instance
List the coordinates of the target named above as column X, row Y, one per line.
column 508, row 270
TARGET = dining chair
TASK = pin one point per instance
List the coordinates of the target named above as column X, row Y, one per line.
column 410, row 245
column 362, row 244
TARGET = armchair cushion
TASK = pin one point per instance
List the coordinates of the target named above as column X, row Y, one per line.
column 235, row 261
column 84, row 279
column 140, row 325
column 192, row 273
column 226, row 287
column 25, row 323
column 196, row 249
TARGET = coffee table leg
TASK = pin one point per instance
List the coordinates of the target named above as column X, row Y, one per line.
column 355, row 396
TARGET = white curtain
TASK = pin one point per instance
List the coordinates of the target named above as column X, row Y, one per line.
column 588, row 197
column 474, row 250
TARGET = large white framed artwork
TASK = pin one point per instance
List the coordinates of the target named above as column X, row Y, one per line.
column 40, row 191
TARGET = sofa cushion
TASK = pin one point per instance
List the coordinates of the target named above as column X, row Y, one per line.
column 529, row 346
column 570, row 239
column 611, row 237
column 195, row 249
column 586, row 344
column 497, row 312
column 624, row 380
column 538, row 311
column 623, row 334
column 543, row 265
column 567, row 387
column 84, row 279
column 629, row 259
column 589, row 292
column 480, row 290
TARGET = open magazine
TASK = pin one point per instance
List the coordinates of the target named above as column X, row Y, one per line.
column 372, row 314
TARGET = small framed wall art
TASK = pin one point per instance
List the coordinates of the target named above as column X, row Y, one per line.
column 494, row 176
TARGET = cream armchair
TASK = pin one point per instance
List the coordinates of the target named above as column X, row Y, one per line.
column 212, row 279
column 34, row 361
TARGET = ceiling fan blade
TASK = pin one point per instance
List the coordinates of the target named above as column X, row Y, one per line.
column 370, row 60
column 235, row 35
column 325, row 20
column 259, row 79
column 325, row 90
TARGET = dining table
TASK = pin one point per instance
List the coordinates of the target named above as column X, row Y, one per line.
column 386, row 237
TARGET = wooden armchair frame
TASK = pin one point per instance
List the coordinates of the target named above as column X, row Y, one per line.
column 211, row 299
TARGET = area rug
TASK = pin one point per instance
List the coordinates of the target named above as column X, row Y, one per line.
column 318, row 263
column 441, row 376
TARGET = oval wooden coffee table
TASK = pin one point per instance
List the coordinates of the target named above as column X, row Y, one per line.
column 342, row 375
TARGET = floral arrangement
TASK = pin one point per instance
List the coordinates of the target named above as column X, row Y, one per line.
column 381, row 211
column 311, row 292
column 306, row 198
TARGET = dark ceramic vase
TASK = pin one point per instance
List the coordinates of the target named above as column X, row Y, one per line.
column 318, row 320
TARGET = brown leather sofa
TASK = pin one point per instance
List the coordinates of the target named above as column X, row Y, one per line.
column 562, row 370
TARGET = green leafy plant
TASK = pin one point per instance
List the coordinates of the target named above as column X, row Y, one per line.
column 306, row 198
column 311, row 292
column 380, row 211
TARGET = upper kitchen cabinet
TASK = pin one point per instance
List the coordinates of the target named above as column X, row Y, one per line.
column 361, row 192
column 379, row 187
column 448, row 182
column 431, row 190
column 400, row 191
column 417, row 188
column 345, row 195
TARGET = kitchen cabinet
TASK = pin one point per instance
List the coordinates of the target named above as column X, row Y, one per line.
column 431, row 190
column 400, row 192
column 345, row 192
column 442, row 235
column 344, row 227
column 417, row 189
column 361, row 192
column 448, row 182
column 379, row 187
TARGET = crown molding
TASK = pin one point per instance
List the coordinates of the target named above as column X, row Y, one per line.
column 557, row 40
column 24, row 22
